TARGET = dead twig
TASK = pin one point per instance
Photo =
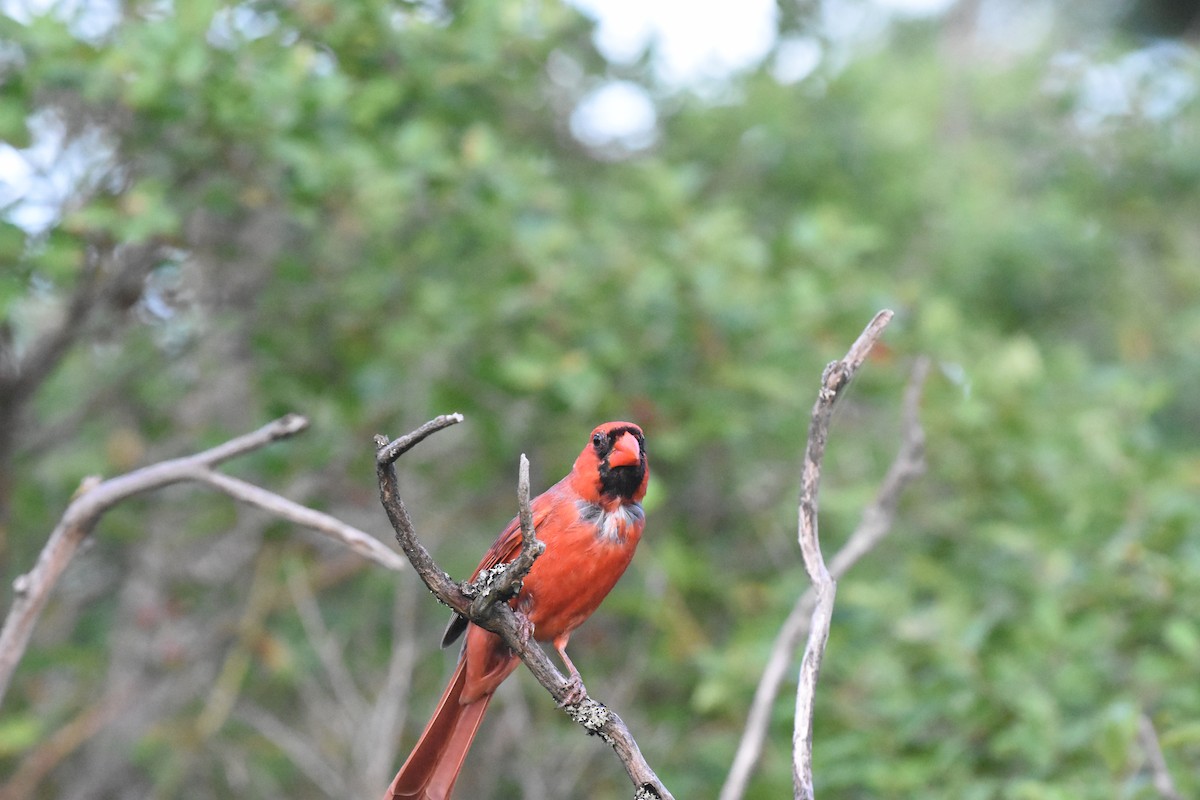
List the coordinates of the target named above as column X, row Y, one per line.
column 834, row 380
column 95, row 497
column 1161, row 775
column 504, row 580
column 495, row 615
column 876, row 523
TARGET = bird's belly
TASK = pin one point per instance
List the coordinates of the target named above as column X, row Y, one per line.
column 570, row 580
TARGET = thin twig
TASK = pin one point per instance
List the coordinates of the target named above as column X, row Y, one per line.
column 386, row 453
column 503, row 581
column 531, row 548
column 1148, row 739
column 876, row 523
column 393, row 450
column 835, row 378
column 501, row 620
column 356, row 539
column 95, row 497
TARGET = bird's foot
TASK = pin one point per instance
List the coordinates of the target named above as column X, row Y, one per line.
column 576, row 693
column 524, row 628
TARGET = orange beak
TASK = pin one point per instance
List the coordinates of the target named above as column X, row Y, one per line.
column 625, row 452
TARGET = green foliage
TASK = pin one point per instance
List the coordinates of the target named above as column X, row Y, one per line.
column 372, row 213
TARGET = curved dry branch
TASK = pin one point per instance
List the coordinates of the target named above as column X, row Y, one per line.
column 836, row 377
column 875, row 524
column 1159, row 773
column 95, row 497
column 503, row 581
column 496, row 616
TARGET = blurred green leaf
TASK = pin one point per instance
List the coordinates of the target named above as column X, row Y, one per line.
column 18, row 734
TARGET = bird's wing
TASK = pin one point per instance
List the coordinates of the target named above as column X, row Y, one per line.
column 505, row 549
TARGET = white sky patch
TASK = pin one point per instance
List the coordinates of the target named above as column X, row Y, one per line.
column 916, row 8
column 693, row 41
column 90, row 20
column 1154, row 83
column 617, row 113
column 698, row 43
column 795, row 58
column 15, row 175
column 39, row 182
column 24, row 10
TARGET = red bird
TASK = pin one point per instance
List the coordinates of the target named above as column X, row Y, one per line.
column 591, row 522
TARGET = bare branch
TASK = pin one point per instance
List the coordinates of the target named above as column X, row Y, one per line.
column 907, row 466
column 357, row 540
column 389, row 452
column 751, row 745
column 1148, row 739
column 531, row 548
column 499, row 618
column 806, row 691
column 835, row 378
column 95, row 497
column 442, row 585
column 503, row 581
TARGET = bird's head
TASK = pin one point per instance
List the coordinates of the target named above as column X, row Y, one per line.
column 612, row 467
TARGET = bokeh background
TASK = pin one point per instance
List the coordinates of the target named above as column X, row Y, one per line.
column 542, row 216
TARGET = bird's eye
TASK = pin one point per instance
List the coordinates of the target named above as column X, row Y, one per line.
column 598, row 440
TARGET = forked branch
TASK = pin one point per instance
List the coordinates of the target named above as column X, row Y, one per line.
column 874, row 525
column 834, row 380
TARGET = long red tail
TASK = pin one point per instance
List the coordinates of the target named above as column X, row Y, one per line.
column 432, row 767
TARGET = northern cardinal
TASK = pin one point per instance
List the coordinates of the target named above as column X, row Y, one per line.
column 591, row 522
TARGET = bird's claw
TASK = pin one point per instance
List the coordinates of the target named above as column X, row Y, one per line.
column 524, row 628
column 575, row 694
